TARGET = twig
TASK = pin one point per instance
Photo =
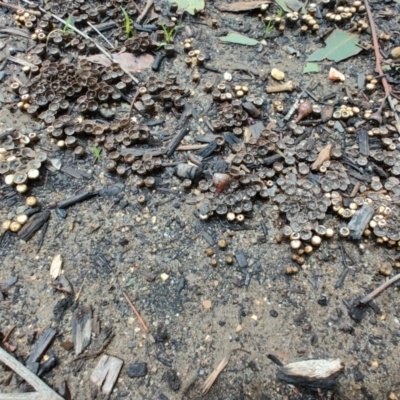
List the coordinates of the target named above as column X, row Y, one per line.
column 378, row 67
column 146, row 9
column 80, row 289
column 101, row 35
column 43, row 391
column 132, row 104
column 42, row 235
column 76, row 199
column 186, row 147
column 214, row 375
column 144, row 326
column 366, row 299
column 10, row 6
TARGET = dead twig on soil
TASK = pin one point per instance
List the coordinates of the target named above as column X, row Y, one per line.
column 378, row 67
column 144, row 326
column 146, row 9
column 214, row 375
column 133, row 104
column 366, row 299
column 10, row 6
column 43, row 391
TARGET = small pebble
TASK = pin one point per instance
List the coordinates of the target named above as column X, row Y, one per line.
column 277, row 74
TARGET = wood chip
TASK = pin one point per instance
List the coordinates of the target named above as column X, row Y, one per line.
column 164, row 277
column 105, row 375
column 56, row 265
column 81, row 328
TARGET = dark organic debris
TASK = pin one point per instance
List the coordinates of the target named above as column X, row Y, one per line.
column 33, row 225
column 137, row 370
column 174, row 382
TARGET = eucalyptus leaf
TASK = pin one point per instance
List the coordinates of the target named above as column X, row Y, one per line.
column 290, row 5
column 239, row 39
column 311, row 67
column 191, row 6
column 339, row 46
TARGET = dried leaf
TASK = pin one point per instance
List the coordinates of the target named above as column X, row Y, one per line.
column 238, row 39
column 191, row 6
column 290, row 5
column 241, row 6
column 339, row 46
column 311, row 67
column 132, row 63
column 55, row 268
column 324, row 155
column 127, row 61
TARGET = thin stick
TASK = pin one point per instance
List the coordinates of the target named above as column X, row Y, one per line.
column 80, row 290
column 214, row 375
column 144, row 326
column 132, row 104
column 9, row 6
column 378, row 66
column 149, row 4
column 45, row 391
column 101, row 35
column 366, row 299
column 185, row 147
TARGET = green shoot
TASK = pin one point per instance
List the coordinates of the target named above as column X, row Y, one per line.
column 68, row 24
column 169, row 33
column 269, row 28
column 279, row 13
column 128, row 27
column 97, row 153
column 67, row 29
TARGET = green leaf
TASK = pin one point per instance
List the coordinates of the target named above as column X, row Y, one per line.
column 191, row 6
column 339, row 46
column 290, row 5
column 311, row 67
column 131, row 282
column 238, row 39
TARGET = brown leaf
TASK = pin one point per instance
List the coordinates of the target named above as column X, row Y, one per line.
column 324, row 155
column 132, row 63
column 127, row 61
column 242, row 6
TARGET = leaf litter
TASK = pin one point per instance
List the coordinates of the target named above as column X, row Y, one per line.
column 126, row 60
column 339, row 46
column 238, row 39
